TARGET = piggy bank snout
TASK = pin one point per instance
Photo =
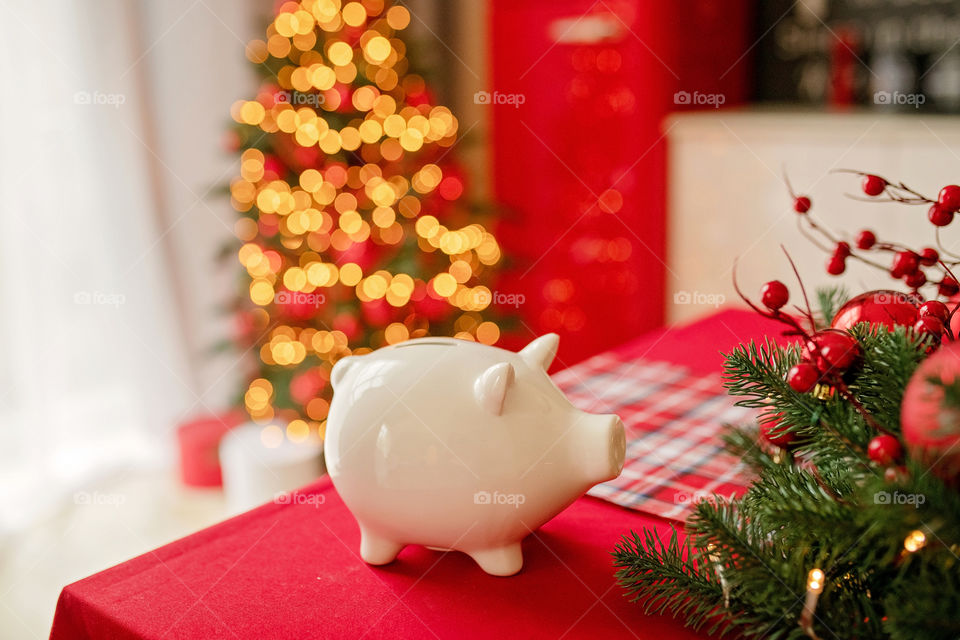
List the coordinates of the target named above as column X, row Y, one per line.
column 606, row 441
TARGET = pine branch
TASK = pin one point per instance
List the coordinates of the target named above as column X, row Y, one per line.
column 829, row 301
column 662, row 578
column 757, row 374
column 889, row 360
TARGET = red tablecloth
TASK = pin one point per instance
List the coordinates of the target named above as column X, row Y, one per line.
column 292, row 570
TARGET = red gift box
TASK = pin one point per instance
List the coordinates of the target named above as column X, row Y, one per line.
column 199, row 442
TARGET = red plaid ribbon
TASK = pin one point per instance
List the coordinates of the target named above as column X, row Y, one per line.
column 674, row 419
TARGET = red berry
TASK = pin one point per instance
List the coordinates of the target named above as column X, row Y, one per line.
column 836, row 265
column 929, row 257
column 803, row 377
column 929, row 324
column 949, row 197
column 802, row 204
column 904, row 263
column 938, row 216
column 873, row 185
column 842, row 250
column 948, row 287
column 774, row 432
column 884, row 449
column 916, row 279
column 935, row 309
column 866, row 239
column 832, row 351
column 774, row 295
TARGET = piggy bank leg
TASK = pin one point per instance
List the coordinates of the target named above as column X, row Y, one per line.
column 375, row 549
column 499, row 561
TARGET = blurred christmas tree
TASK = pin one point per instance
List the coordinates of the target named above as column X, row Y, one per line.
column 353, row 232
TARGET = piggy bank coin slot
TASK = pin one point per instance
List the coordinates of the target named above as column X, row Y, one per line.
column 432, row 343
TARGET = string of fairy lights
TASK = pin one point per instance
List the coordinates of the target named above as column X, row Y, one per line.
column 816, row 579
column 342, row 91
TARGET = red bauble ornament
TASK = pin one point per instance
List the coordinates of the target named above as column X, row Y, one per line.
column 433, row 309
column 866, row 239
column 884, row 450
column 377, row 312
column 832, row 351
column 931, row 427
column 306, row 386
column 939, row 216
column 348, row 324
column 773, row 432
column 873, row 185
column 273, row 165
column 802, row 204
column 889, row 308
column 949, row 197
column 803, row 377
column 774, row 295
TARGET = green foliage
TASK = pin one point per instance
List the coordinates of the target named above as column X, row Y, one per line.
column 744, row 563
column 829, row 300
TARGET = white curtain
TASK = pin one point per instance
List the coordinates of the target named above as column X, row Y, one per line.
column 95, row 365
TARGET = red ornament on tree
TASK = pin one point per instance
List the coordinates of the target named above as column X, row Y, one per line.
column 306, row 386
column 775, row 433
column 930, row 422
column 832, row 351
column 889, row 308
column 803, row 377
column 884, row 450
column 348, row 324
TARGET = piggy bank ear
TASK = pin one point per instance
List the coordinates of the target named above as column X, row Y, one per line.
column 340, row 370
column 490, row 388
column 540, row 352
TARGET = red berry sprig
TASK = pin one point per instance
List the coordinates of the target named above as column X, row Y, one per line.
column 827, row 355
column 918, row 270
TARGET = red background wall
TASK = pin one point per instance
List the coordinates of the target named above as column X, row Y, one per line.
column 580, row 165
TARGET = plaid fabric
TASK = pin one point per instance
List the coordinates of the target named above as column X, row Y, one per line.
column 673, row 420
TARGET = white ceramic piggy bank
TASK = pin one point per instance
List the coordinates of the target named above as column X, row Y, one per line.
column 460, row 446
